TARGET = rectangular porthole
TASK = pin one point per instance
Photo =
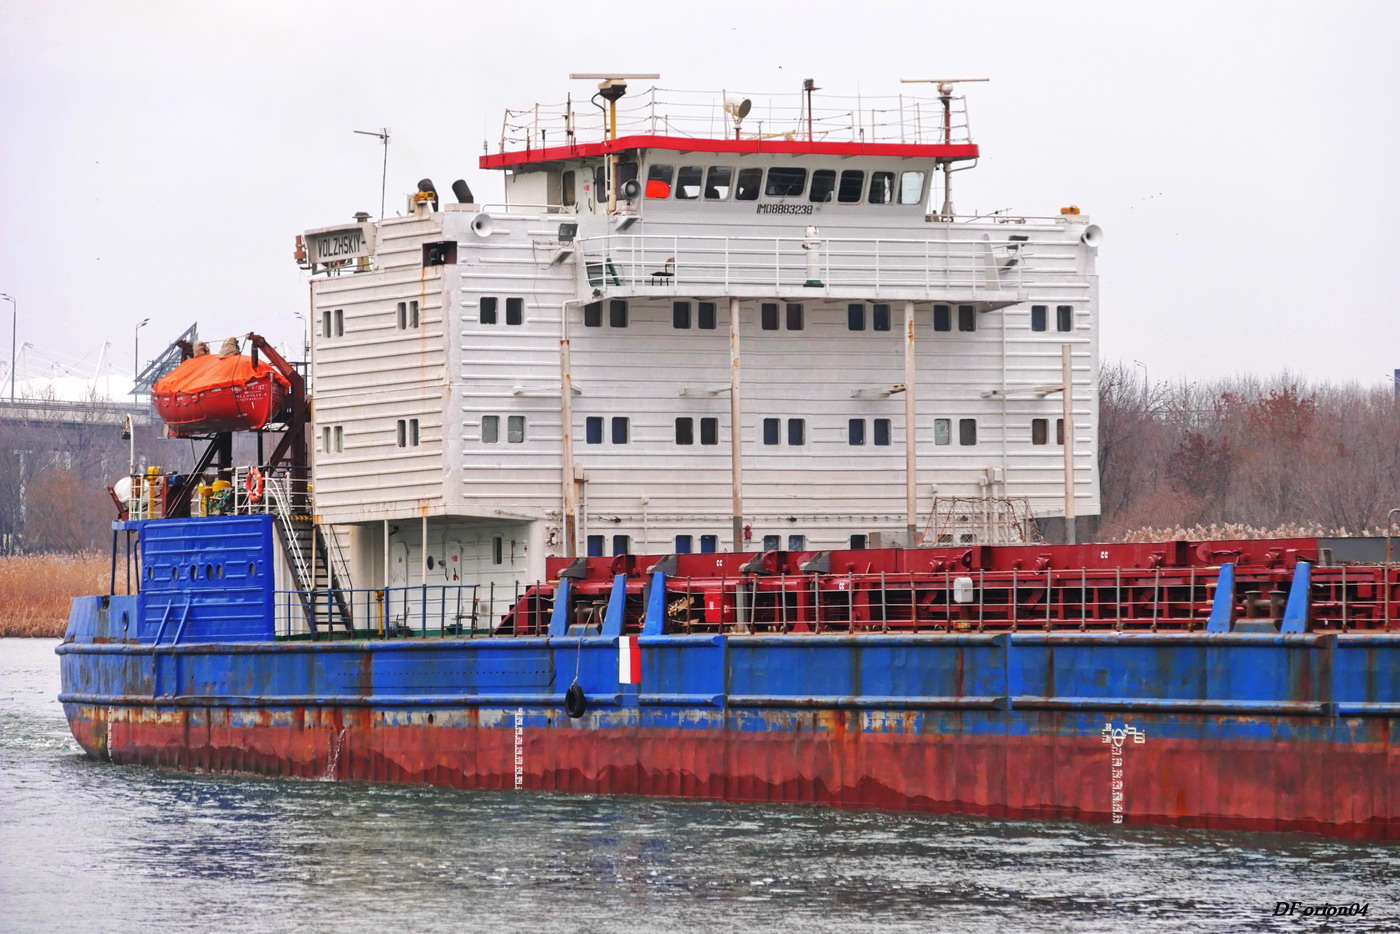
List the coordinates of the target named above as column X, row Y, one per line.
column 942, row 318
column 855, row 317
column 486, row 310
column 967, row 431
column 855, row 431
column 685, row 430
column 593, row 429
column 942, row 431
column 879, row 317
column 709, row 544
column 596, row 544
column 705, row 315
column 709, row 431
column 680, row 315
column 768, row 316
column 882, row 432
column 684, row 544
column 620, row 430
column 967, row 318
column 1064, row 317
column 1038, row 317
column 490, row 429
column 515, row 311
column 515, row 429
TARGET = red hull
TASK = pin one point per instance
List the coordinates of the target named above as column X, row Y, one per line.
column 1338, row 790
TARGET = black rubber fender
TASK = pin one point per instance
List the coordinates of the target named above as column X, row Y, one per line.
column 575, row 701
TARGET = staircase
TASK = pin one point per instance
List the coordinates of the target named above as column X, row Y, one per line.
column 320, row 587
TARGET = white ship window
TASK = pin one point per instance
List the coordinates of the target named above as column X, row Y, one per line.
column 567, row 189
column 515, row 429
column 797, row 542
column 595, row 546
column 746, row 189
column 617, row 313
column 680, row 315
column 659, row 181
column 1064, row 317
column 705, row 316
column 515, row 311
column 688, row 182
column 911, row 188
column 942, row 318
column 852, row 184
column 879, row 317
column 772, row 430
column 333, row 323
column 1039, row 430
column 593, row 315
column 486, row 310
column 621, row 427
column 794, row 317
column 967, row 431
column 855, row 431
column 967, row 318
column 406, row 432
column 709, row 544
column 685, row 544
column 772, row 542
column 709, row 431
column 855, row 317
column 408, row 315
column 593, row 429
column 490, row 429
column 823, row 185
column 717, row 181
column 942, row 431
column 881, row 187
column 797, row 431
column 498, row 549
column 685, row 430
column 1038, row 317
column 622, row 545
column 859, row 542
column 882, row 432
column 785, row 181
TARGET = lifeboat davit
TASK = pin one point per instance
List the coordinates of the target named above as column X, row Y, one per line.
column 209, row 393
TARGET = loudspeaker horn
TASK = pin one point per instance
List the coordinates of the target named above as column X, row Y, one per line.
column 483, row 224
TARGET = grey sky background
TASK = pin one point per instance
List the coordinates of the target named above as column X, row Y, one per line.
column 158, row 158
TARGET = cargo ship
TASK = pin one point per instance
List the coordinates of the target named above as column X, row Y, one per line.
column 719, row 459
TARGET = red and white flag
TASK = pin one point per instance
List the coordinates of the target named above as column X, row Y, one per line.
column 629, row 660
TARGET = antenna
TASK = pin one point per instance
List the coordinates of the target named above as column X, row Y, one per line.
column 611, row 89
column 383, row 134
column 945, row 95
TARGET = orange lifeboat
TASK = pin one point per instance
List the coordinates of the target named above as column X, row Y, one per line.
column 211, row 393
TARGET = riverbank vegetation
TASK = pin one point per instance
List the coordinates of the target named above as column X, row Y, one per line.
column 36, row 590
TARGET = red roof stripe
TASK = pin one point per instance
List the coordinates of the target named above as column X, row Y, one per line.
column 501, row 160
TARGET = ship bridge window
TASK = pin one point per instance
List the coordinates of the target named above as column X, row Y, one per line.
column 688, row 182
column 659, row 181
column 881, row 187
column 852, row 184
column 911, row 188
column 717, row 181
column 823, row 185
column 600, row 184
column 568, row 194
column 785, row 182
column 746, row 188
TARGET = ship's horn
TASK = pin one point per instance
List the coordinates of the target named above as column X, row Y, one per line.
column 482, row 225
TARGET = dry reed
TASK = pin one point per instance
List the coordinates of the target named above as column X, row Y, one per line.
column 36, row 590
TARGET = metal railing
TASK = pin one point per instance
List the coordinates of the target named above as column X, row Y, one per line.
column 896, row 118
column 716, row 265
column 413, row 611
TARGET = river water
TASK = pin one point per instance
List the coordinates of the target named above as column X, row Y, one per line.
column 90, row 846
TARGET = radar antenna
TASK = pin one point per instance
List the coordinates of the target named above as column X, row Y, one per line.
column 945, row 95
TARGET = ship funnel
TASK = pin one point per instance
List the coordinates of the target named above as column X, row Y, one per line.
column 462, row 192
column 482, row 225
column 1092, row 235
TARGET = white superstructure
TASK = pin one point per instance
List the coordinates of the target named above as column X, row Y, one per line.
column 451, row 346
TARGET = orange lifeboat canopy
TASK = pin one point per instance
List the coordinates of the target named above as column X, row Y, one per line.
column 208, row 393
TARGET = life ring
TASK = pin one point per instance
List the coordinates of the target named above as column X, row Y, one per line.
column 253, row 484
column 575, row 702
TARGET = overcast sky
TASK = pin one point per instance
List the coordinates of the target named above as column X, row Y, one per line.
column 159, row 157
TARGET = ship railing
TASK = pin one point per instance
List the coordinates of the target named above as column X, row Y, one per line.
column 960, row 268
column 895, row 118
column 451, row 610
column 1340, row 599
column 269, row 490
